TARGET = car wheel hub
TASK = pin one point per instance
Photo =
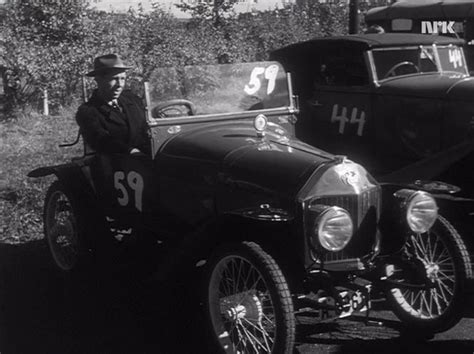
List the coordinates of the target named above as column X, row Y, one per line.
column 432, row 271
column 250, row 308
column 61, row 231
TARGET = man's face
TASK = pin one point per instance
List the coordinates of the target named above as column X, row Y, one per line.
column 110, row 86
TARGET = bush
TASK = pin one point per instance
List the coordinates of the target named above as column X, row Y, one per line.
column 52, row 44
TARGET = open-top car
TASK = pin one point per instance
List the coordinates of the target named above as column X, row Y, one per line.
column 276, row 226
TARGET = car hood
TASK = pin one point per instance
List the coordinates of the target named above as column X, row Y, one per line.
column 428, row 86
column 275, row 163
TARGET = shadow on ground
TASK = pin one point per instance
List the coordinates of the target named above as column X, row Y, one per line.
column 381, row 334
column 42, row 311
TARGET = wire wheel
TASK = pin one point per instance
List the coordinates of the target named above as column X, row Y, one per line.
column 61, row 228
column 438, row 306
column 249, row 303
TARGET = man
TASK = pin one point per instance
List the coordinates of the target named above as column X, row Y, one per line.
column 113, row 120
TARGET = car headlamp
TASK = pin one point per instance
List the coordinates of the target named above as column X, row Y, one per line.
column 420, row 208
column 333, row 228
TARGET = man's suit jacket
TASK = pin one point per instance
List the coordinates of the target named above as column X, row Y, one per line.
column 107, row 129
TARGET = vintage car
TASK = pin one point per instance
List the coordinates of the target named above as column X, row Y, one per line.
column 274, row 226
column 444, row 17
column 399, row 104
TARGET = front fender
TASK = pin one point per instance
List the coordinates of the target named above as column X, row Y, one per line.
column 50, row 170
column 263, row 212
column 458, row 210
column 73, row 175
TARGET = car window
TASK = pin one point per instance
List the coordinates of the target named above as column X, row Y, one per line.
column 451, row 59
column 391, row 62
column 341, row 67
column 403, row 61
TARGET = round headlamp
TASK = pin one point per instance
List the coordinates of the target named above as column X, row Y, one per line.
column 334, row 228
column 421, row 211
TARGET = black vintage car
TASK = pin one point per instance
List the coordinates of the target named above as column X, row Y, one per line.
column 446, row 17
column 400, row 104
column 275, row 226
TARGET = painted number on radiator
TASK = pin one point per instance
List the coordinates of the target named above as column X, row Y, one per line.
column 134, row 181
column 270, row 74
column 341, row 117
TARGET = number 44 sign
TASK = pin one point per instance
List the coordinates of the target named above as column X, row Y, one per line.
column 342, row 119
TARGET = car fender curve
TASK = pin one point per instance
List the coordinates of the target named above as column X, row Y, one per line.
column 263, row 213
column 42, row 172
column 66, row 173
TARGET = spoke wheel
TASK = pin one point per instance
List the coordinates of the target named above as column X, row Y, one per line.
column 62, row 227
column 446, row 264
column 249, row 304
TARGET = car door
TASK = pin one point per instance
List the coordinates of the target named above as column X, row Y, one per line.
column 337, row 115
column 124, row 185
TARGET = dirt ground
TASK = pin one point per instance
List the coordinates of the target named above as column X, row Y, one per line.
column 42, row 311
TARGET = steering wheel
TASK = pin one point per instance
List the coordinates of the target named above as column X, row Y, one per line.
column 408, row 64
column 174, row 108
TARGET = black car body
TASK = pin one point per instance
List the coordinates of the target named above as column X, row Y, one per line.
column 445, row 17
column 400, row 104
column 275, row 223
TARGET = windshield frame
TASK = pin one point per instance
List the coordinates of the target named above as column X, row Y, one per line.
column 289, row 108
column 433, row 47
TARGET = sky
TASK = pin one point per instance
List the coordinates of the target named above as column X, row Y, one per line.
column 168, row 5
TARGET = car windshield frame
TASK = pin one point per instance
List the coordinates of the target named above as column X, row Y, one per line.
column 433, row 53
column 257, row 90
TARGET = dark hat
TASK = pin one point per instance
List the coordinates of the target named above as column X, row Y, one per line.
column 108, row 63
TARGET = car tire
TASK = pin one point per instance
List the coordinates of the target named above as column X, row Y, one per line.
column 65, row 222
column 446, row 260
column 248, row 303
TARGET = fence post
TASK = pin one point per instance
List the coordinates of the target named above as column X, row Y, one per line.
column 354, row 19
column 45, row 102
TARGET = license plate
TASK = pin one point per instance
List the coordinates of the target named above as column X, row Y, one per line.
column 351, row 302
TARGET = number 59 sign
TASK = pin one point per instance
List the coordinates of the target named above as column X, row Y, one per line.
column 268, row 75
column 134, row 181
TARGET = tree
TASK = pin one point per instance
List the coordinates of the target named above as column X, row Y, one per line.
column 215, row 11
column 41, row 46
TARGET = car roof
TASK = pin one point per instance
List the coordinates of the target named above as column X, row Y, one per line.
column 370, row 41
column 423, row 9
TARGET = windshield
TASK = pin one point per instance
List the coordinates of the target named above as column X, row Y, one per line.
column 224, row 88
column 393, row 62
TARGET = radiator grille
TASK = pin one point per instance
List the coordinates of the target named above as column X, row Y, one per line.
column 364, row 209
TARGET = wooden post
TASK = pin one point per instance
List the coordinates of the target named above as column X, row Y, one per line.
column 84, row 90
column 354, row 17
column 45, row 102
column 149, row 117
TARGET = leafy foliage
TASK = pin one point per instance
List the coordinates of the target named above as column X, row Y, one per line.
column 215, row 11
column 51, row 44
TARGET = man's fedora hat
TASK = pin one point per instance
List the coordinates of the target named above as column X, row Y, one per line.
column 109, row 63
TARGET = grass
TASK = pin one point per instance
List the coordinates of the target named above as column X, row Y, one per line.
column 29, row 142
